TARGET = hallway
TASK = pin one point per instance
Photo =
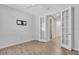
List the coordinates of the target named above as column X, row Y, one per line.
column 38, row 48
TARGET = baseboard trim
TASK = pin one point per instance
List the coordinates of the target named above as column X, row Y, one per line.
column 16, row 43
column 75, row 49
column 43, row 40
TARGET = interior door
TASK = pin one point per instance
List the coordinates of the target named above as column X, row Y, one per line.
column 42, row 28
column 66, row 28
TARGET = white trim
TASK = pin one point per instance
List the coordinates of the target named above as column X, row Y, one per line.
column 16, row 43
column 64, row 46
column 43, row 40
column 75, row 49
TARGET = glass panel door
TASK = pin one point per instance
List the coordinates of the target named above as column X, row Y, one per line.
column 42, row 28
column 66, row 29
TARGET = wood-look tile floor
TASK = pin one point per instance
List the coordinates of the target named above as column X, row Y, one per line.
column 51, row 47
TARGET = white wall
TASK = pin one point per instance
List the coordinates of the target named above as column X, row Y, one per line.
column 76, row 22
column 10, row 32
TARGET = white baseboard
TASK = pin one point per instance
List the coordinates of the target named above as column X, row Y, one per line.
column 76, row 49
column 43, row 40
column 16, row 43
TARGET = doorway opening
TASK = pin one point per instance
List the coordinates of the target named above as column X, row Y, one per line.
column 54, row 25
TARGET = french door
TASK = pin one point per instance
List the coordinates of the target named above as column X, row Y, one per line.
column 42, row 28
column 66, row 16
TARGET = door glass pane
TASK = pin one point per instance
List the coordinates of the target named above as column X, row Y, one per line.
column 66, row 28
column 42, row 28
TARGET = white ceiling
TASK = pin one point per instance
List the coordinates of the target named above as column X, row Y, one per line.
column 30, row 8
column 38, row 9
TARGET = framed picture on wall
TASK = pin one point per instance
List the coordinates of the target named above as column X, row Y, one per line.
column 21, row 22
